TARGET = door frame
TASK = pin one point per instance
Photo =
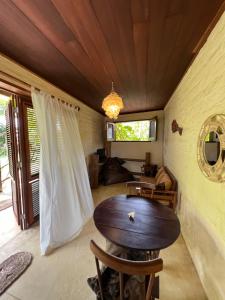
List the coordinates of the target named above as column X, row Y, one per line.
column 12, row 146
column 26, row 177
column 22, row 99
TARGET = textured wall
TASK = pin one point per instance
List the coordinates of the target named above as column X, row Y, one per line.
column 200, row 94
column 91, row 122
column 91, row 126
column 138, row 149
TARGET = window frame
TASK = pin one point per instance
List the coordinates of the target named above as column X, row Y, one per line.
column 126, row 121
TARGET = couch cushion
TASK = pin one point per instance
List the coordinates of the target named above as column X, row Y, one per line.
column 159, row 172
column 147, row 179
column 164, row 182
column 158, row 179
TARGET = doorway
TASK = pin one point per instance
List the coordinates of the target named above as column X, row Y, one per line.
column 19, row 158
column 8, row 224
column 5, row 183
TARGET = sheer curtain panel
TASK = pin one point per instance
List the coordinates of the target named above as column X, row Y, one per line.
column 65, row 195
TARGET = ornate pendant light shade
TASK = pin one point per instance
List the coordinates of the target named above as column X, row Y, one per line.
column 112, row 104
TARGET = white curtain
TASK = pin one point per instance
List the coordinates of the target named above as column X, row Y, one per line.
column 65, row 195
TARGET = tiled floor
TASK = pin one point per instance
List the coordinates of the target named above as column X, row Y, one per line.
column 63, row 274
column 8, row 226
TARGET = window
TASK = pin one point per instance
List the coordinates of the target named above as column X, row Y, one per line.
column 131, row 131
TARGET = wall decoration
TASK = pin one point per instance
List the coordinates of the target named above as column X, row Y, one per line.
column 211, row 148
column 175, row 127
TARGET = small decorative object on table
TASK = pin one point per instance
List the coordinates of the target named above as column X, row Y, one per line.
column 131, row 216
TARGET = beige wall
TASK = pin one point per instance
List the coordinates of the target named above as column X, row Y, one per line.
column 138, row 149
column 200, row 94
column 91, row 123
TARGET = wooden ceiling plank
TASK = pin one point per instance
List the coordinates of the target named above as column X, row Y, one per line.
column 121, row 11
column 185, row 43
column 118, row 39
column 158, row 14
column 99, row 43
column 140, row 11
column 182, row 55
column 179, row 48
column 169, row 38
column 141, row 50
column 144, row 46
column 208, row 30
column 37, row 11
column 93, row 41
column 177, row 7
column 39, row 55
column 102, row 11
column 74, row 16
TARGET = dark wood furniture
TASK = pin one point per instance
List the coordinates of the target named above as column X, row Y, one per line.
column 126, row 267
column 169, row 197
column 148, row 190
column 94, row 168
column 155, row 226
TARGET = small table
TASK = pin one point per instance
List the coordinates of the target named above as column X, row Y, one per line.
column 155, row 226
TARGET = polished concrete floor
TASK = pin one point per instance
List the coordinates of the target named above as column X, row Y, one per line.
column 62, row 275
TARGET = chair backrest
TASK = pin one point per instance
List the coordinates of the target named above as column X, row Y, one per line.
column 174, row 186
column 140, row 184
column 136, row 187
column 148, row 190
column 123, row 266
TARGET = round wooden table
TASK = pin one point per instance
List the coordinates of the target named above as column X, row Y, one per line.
column 154, row 227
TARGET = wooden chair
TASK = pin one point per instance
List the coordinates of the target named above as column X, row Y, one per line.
column 138, row 186
column 123, row 266
column 148, row 190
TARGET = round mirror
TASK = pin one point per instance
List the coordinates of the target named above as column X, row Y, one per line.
column 212, row 148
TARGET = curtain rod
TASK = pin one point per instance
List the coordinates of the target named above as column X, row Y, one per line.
column 63, row 101
column 27, row 87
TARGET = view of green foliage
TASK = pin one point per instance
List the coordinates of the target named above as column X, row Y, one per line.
column 3, row 146
column 132, row 131
column 33, row 136
column 3, row 149
column 3, row 104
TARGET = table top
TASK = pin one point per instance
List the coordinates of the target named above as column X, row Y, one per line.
column 155, row 226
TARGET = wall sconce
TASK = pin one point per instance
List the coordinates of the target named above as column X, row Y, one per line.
column 175, row 127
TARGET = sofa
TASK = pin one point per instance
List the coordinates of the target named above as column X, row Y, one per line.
column 164, row 180
column 162, row 187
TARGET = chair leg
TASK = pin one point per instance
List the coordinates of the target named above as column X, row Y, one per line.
column 157, row 253
column 121, row 285
column 150, row 286
column 99, row 278
column 147, row 278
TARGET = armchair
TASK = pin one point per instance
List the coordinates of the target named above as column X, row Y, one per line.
column 149, row 190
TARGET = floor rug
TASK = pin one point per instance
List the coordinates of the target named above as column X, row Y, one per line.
column 12, row 268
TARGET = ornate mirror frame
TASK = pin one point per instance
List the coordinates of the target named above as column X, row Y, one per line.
column 214, row 172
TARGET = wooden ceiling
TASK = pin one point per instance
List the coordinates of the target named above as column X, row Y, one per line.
column 81, row 46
